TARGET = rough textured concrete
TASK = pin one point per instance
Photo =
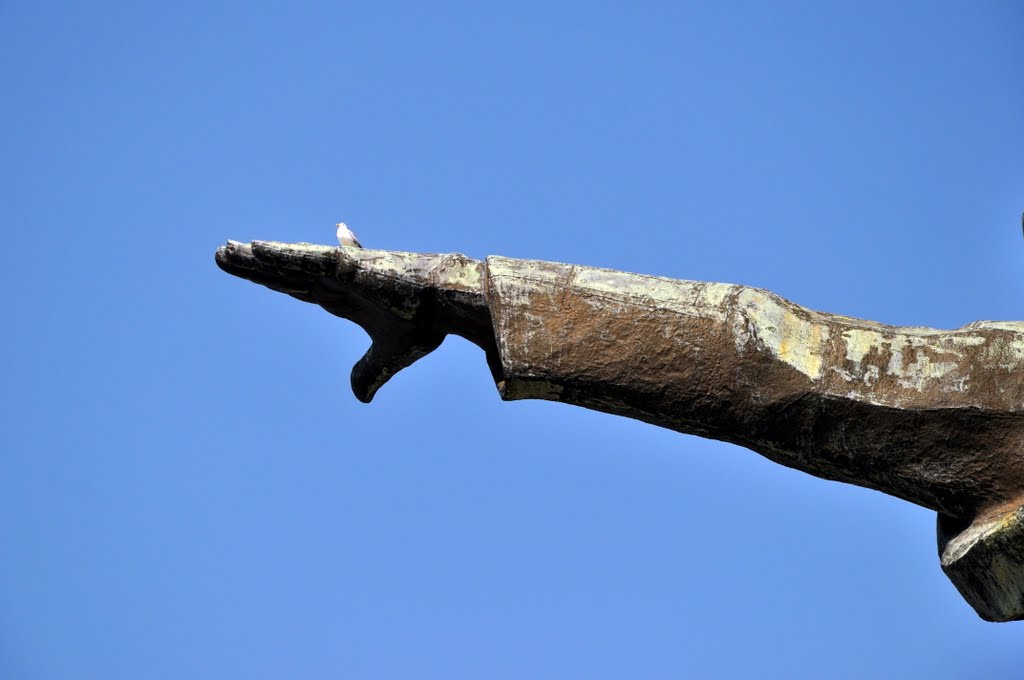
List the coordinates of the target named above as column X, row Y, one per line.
column 934, row 417
column 985, row 561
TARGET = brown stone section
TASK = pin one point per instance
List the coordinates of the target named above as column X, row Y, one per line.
column 933, row 417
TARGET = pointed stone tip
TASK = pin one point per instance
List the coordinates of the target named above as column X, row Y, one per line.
column 221, row 256
column 232, row 256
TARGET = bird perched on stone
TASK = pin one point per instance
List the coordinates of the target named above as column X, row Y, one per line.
column 346, row 237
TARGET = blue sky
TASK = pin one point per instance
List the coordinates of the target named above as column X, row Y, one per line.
column 190, row 490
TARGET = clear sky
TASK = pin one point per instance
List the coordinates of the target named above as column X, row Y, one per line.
column 189, row 489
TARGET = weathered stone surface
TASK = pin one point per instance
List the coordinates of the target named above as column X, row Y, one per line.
column 934, row 417
column 925, row 415
column 985, row 561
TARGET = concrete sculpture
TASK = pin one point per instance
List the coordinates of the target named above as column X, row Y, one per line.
column 934, row 417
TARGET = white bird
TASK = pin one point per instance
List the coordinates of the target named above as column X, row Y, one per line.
column 346, row 237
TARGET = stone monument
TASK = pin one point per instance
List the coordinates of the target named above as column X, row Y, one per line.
column 931, row 416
